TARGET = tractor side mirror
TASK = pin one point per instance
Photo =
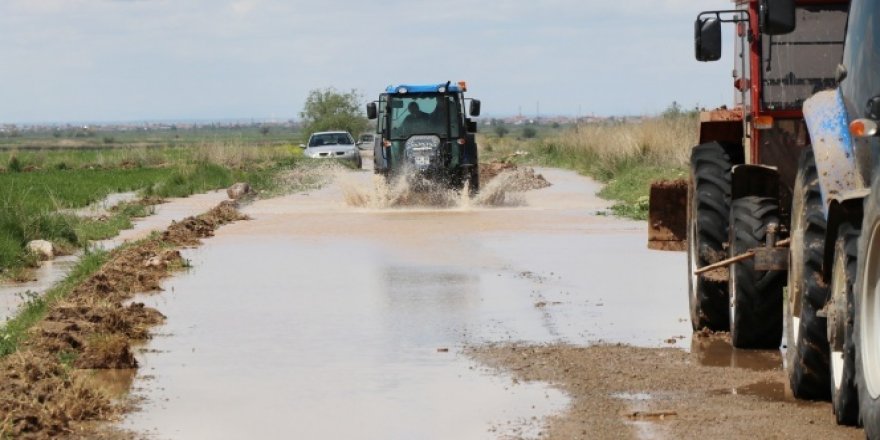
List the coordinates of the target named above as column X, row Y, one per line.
column 302, row 145
column 777, row 17
column 707, row 39
column 873, row 108
column 475, row 107
column 372, row 113
column 472, row 126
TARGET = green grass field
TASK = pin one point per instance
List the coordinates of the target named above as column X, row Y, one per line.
column 39, row 186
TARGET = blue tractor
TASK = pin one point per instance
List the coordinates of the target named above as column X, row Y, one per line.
column 834, row 322
column 425, row 135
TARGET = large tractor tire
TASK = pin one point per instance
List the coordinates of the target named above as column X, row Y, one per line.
column 844, row 396
column 755, row 296
column 708, row 212
column 806, row 339
column 866, row 314
column 473, row 175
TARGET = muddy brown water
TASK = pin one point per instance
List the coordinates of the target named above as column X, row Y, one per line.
column 318, row 319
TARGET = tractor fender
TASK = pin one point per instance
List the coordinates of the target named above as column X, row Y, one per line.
column 846, row 207
column 754, row 180
column 828, row 125
column 469, row 155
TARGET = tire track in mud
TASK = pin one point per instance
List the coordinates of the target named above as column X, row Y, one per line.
column 92, row 328
column 620, row 391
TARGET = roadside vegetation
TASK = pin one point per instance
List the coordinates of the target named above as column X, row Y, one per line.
column 41, row 189
column 626, row 155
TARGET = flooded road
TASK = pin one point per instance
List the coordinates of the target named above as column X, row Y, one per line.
column 317, row 319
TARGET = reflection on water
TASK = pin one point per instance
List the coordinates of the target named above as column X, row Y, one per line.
column 12, row 295
column 115, row 384
column 303, row 331
column 716, row 351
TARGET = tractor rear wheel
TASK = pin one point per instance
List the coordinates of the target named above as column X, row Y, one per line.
column 708, row 212
column 866, row 314
column 474, row 180
column 755, row 296
column 844, row 396
column 806, row 338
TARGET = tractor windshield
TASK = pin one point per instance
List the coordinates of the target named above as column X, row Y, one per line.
column 797, row 65
column 424, row 113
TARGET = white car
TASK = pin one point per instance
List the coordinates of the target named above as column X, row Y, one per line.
column 366, row 141
column 333, row 145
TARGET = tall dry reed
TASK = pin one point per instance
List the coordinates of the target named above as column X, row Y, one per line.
column 660, row 141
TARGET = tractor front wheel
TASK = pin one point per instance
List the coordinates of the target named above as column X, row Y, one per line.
column 755, row 296
column 866, row 314
column 708, row 212
column 844, row 396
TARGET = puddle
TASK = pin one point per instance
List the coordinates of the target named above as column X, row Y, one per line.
column 164, row 215
column 316, row 309
column 646, row 424
column 12, row 295
column 716, row 351
column 103, row 207
column 635, row 397
column 769, row 391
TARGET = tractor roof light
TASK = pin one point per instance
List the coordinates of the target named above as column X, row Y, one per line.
column 402, row 90
column 863, row 128
column 462, row 85
column 764, row 122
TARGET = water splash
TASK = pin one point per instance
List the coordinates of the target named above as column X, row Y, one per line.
column 506, row 189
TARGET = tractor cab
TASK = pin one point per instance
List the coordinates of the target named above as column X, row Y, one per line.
column 426, row 132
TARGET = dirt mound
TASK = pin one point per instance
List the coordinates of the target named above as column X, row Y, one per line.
column 526, row 178
column 190, row 231
column 667, row 218
column 506, row 188
column 92, row 328
column 489, row 171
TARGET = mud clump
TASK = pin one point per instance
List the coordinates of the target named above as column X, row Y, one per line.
column 190, row 231
column 667, row 218
column 489, row 171
column 93, row 328
column 508, row 186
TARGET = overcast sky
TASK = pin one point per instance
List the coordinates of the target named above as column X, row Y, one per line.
column 119, row 60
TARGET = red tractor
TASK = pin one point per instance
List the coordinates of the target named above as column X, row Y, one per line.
column 763, row 185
